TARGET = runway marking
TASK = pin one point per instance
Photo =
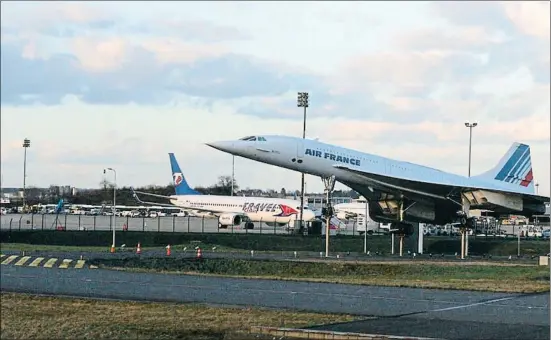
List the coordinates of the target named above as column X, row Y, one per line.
column 50, row 263
column 10, row 259
column 474, row 304
column 80, row 264
column 22, row 260
column 36, row 262
column 65, row 263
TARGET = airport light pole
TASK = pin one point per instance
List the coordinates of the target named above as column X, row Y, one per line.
column 114, row 205
column 470, row 126
column 26, row 144
column 537, row 185
column 232, row 172
column 302, row 101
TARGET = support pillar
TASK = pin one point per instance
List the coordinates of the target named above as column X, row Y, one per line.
column 329, row 184
column 412, row 241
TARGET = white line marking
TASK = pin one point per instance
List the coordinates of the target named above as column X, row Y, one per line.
column 474, row 304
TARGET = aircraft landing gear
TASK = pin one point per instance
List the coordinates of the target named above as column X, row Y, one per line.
column 466, row 223
column 401, row 228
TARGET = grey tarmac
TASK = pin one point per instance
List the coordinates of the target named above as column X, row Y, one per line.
column 385, row 310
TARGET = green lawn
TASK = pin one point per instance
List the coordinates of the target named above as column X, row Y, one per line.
column 450, row 275
column 34, row 317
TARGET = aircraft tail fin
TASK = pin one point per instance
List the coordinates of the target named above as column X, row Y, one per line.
column 514, row 168
column 180, row 184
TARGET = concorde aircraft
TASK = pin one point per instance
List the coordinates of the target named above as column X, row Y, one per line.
column 402, row 192
column 230, row 210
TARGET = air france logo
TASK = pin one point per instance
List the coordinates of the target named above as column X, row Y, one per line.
column 178, row 178
column 333, row 157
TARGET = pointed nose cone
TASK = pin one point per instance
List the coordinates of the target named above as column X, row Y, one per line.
column 225, row 146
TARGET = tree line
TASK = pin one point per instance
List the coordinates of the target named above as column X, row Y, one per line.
column 104, row 194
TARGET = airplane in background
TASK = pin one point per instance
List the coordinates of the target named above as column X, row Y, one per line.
column 230, row 210
column 399, row 191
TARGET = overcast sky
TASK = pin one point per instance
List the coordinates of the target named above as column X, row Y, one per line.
column 120, row 85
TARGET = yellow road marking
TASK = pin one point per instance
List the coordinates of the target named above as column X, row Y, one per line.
column 22, row 260
column 50, row 263
column 36, row 262
column 65, row 263
column 10, row 259
column 80, row 264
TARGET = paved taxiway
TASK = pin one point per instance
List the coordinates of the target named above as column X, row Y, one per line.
column 398, row 311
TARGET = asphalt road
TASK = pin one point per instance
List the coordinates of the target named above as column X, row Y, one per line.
column 388, row 310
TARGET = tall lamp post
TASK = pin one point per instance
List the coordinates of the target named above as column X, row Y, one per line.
column 114, row 204
column 537, row 185
column 470, row 126
column 302, row 101
column 26, row 144
column 232, row 172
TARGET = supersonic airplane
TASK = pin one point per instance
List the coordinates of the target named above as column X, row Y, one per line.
column 398, row 191
column 230, row 210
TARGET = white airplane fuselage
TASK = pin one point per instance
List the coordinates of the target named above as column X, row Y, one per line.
column 367, row 173
column 269, row 210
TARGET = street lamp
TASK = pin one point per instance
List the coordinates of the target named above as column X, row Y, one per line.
column 114, row 204
column 537, row 185
column 465, row 250
column 26, row 144
column 302, row 101
column 232, row 172
column 470, row 126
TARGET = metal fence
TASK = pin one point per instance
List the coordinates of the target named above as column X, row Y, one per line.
column 186, row 224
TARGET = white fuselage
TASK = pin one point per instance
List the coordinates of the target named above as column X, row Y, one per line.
column 262, row 209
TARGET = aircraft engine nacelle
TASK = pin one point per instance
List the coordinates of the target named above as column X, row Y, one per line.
column 230, row 220
column 272, row 224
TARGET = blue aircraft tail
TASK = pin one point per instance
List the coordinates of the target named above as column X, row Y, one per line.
column 180, row 184
column 514, row 168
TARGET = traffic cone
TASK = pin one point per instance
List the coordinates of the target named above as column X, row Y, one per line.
column 199, row 253
column 168, row 250
column 112, row 248
column 139, row 248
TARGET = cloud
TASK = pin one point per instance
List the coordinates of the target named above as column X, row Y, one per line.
column 531, row 18
column 112, row 71
column 127, row 80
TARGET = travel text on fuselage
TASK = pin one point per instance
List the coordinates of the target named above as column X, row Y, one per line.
column 254, row 208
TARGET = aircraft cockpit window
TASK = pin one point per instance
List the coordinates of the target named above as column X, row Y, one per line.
column 249, row 138
column 261, row 139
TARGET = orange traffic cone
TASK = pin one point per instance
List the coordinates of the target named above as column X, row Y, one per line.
column 112, row 248
column 139, row 248
column 199, row 253
column 168, row 250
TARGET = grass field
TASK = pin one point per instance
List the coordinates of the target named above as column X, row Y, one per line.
column 57, row 248
column 482, row 277
column 248, row 242
column 35, row 317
